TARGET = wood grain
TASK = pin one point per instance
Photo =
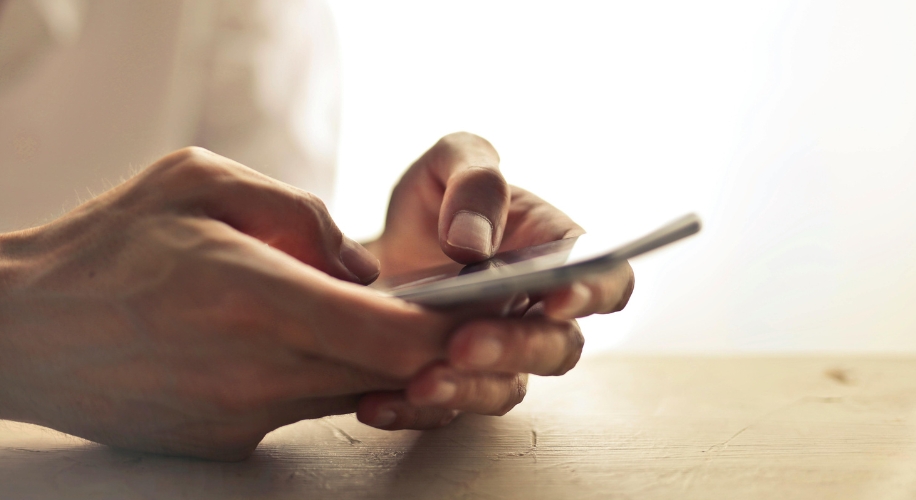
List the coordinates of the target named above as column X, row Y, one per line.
column 615, row 427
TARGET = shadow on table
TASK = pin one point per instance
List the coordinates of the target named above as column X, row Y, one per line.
column 464, row 460
column 94, row 472
column 445, row 463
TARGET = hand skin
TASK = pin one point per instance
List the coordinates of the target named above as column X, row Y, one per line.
column 176, row 314
column 453, row 203
column 201, row 305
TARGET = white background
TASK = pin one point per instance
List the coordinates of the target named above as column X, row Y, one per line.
column 790, row 127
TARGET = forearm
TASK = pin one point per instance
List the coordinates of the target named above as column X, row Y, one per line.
column 7, row 270
column 13, row 248
column 8, row 263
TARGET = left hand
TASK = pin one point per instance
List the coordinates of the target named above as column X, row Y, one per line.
column 453, row 203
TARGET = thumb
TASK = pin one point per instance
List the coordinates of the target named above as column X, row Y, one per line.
column 475, row 196
column 359, row 261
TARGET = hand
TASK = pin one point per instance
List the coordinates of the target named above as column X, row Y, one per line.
column 453, row 203
column 176, row 314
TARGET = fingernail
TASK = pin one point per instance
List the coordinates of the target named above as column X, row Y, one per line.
column 484, row 351
column 471, row 231
column 444, row 392
column 384, row 418
column 576, row 301
column 359, row 261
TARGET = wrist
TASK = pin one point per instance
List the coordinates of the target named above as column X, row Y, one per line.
column 14, row 258
column 13, row 263
column 14, row 249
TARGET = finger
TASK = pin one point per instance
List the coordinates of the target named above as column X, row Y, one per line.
column 475, row 199
column 391, row 411
column 354, row 325
column 485, row 393
column 287, row 218
column 537, row 345
column 602, row 294
column 533, row 221
column 263, row 291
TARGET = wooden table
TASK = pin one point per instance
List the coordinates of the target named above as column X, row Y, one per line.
column 615, row 427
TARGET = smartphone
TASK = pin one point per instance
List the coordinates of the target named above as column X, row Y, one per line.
column 530, row 270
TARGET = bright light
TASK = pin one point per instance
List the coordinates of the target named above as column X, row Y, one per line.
column 788, row 126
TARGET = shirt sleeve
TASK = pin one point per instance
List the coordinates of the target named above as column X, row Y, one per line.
column 271, row 95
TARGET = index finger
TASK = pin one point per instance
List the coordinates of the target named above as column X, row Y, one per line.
column 289, row 219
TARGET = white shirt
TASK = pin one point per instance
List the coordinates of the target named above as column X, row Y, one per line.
column 92, row 91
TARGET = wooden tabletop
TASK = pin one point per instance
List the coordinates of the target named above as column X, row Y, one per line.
column 615, row 427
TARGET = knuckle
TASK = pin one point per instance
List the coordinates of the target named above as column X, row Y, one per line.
column 446, row 419
column 518, row 388
column 615, row 293
column 569, row 363
column 314, row 211
column 457, row 141
column 191, row 154
column 189, row 167
column 576, row 341
column 491, row 178
column 312, row 203
column 461, row 138
column 628, row 291
column 437, row 417
column 414, row 418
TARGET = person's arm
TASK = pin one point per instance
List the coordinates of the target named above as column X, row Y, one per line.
column 195, row 308
column 10, row 269
column 201, row 305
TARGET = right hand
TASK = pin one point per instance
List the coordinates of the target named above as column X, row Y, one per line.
column 174, row 314
column 453, row 204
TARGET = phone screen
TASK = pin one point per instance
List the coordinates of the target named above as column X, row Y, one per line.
column 545, row 256
column 532, row 269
